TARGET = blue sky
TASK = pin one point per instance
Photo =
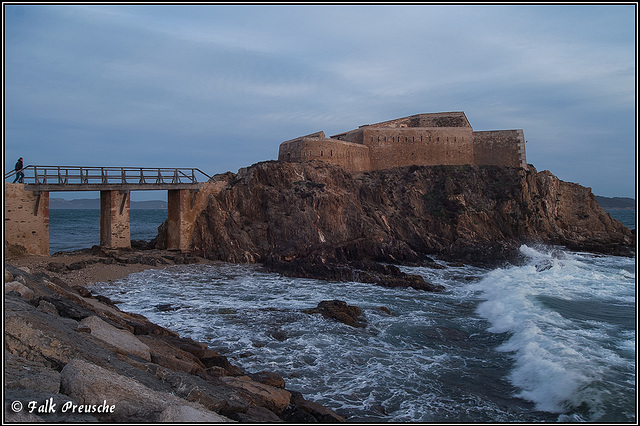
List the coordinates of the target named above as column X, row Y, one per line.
column 218, row 87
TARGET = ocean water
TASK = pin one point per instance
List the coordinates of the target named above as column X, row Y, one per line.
column 73, row 229
column 552, row 340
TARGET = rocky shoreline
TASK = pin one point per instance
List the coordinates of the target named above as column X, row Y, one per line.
column 71, row 356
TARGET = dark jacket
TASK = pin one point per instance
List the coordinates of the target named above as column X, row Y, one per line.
column 19, row 165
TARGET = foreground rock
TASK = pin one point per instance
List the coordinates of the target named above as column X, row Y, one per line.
column 73, row 357
column 284, row 212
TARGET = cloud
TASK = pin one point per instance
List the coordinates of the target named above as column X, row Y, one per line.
column 220, row 86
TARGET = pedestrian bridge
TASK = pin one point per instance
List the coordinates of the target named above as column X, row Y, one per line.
column 27, row 203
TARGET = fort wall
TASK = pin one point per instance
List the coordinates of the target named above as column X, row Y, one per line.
column 500, row 148
column 397, row 147
column 422, row 139
column 350, row 156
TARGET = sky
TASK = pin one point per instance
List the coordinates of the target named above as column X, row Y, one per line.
column 219, row 87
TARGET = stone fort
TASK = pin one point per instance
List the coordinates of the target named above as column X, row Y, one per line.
column 444, row 138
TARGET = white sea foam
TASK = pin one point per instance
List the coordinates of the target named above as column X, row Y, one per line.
column 563, row 331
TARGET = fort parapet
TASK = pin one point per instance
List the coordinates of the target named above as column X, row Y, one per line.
column 444, row 138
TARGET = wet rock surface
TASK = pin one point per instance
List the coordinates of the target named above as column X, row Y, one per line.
column 340, row 311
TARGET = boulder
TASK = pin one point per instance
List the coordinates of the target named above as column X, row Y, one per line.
column 274, row 399
column 209, row 392
column 339, row 311
column 268, row 378
column 166, row 355
column 123, row 340
column 48, row 307
column 303, row 411
column 90, row 384
column 20, row 288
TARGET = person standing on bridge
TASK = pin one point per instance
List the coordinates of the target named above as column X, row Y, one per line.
column 19, row 174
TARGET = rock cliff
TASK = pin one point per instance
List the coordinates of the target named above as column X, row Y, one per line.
column 277, row 212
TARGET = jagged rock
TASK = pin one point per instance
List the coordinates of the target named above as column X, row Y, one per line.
column 171, row 357
column 22, row 373
column 47, row 307
column 20, row 288
column 300, row 409
column 268, row 378
column 122, row 340
column 209, row 392
column 142, row 326
column 66, row 308
column 166, row 307
column 214, row 360
column 275, row 399
column 133, row 401
column 339, row 311
column 364, row 271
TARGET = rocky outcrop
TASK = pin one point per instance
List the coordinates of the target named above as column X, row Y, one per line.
column 365, row 272
column 73, row 357
column 282, row 212
column 340, row 311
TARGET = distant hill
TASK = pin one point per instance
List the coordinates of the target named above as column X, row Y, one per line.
column 94, row 203
column 616, row 203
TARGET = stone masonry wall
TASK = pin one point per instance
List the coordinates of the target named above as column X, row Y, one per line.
column 499, row 148
column 350, row 156
column 400, row 147
column 422, row 139
column 25, row 229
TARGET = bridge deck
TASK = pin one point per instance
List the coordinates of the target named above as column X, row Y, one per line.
column 78, row 178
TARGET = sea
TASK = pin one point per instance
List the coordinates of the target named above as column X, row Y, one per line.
column 550, row 340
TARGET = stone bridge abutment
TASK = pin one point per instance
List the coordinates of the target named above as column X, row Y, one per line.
column 26, row 205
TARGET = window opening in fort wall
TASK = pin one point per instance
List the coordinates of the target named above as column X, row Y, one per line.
column 430, row 139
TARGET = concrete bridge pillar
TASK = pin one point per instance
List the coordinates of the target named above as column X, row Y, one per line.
column 26, row 219
column 115, row 231
column 180, row 218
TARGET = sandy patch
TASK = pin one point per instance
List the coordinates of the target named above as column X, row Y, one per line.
column 91, row 267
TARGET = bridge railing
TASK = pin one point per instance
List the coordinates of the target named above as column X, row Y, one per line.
column 77, row 175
